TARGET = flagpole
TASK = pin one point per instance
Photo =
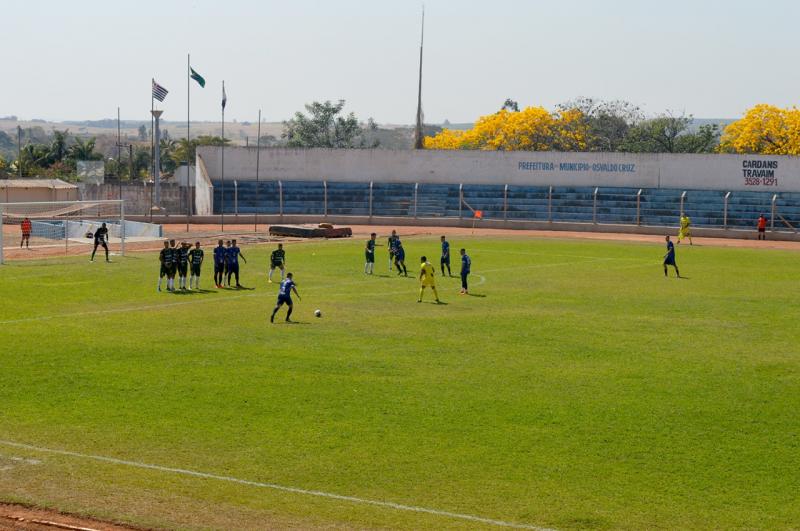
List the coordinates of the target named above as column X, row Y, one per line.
column 222, row 212
column 152, row 145
column 258, row 157
column 188, row 139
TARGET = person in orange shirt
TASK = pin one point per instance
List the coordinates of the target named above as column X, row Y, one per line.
column 762, row 227
column 26, row 233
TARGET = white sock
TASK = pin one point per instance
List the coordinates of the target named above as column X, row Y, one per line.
column 159, row 282
column 282, row 270
column 270, row 273
column 197, row 282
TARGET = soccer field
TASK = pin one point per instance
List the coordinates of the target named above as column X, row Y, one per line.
column 575, row 388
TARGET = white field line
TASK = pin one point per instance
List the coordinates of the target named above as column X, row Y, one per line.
column 274, row 486
column 125, row 309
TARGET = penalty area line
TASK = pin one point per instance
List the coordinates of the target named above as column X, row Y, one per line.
column 274, row 486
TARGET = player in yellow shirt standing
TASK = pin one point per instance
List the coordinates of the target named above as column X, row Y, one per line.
column 685, row 231
column 426, row 279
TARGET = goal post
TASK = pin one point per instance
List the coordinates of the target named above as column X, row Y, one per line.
column 50, row 228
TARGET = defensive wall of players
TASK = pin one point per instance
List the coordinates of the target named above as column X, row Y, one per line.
column 516, row 189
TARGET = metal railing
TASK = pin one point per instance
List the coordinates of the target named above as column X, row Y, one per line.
column 554, row 204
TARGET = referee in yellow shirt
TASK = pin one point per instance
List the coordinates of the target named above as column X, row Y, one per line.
column 426, row 279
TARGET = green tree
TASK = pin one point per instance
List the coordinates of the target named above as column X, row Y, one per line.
column 168, row 159
column 179, row 154
column 509, row 105
column 670, row 134
column 324, row 127
column 142, row 159
column 84, row 150
column 58, row 146
column 607, row 122
column 142, row 133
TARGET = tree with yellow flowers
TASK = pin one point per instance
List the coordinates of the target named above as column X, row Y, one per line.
column 764, row 129
column 531, row 129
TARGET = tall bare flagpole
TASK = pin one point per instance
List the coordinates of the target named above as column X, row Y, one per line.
column 188, row 139
column 418, row 140
column 222, row 210
column 152, row 134
column 258, row 158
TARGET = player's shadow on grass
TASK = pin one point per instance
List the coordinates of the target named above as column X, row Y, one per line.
column 191, row 292
column 480, row 295
column 295, row 323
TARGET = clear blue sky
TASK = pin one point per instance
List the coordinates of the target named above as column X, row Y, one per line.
column 83, row 58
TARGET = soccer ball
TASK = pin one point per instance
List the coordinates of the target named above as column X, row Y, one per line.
column 318, row 313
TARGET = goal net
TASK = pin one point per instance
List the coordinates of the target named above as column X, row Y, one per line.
column 62, row 227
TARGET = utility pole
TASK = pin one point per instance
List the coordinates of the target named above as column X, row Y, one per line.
column 418, row 138
column 157, row 161
column 19, row 151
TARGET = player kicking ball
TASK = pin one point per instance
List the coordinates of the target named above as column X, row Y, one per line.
column 426, row 279
column 285, row 297
column 669, row 259
column 100, row 238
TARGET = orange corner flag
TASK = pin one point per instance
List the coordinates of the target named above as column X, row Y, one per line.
column 479, row 214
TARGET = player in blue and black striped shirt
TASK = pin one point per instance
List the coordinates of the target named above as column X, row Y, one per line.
column 219, row 263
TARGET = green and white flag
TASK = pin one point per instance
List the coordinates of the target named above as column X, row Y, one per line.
column 197, row 77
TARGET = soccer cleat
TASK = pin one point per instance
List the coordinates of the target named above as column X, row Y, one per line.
column 419, row 300
column 272, row 318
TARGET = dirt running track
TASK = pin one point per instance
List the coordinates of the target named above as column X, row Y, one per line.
column 23, row 518
column 247, row 235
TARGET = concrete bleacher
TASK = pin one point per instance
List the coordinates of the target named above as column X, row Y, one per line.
column 606, row 205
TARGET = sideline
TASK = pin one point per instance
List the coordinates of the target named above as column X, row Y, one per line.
column 275, row 486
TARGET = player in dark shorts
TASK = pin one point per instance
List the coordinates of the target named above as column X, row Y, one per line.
column 400, row 257
column 170, row 264
column 369, row 254
column 285, row 297
column 391, row 245
column 219, row 263
column 277, row 259
column 27, row 228
column 669, row 258
column 232, row 255
column 466, row 266
column 163, row 269
column 762, row 228
column 195, row 261
column 445, row 260
column 183, row 264
column 100, row 237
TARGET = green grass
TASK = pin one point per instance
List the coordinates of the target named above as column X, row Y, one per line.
column 579, row 389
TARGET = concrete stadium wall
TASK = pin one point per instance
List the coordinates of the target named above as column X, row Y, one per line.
column 682, row 171
column 138, row 196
